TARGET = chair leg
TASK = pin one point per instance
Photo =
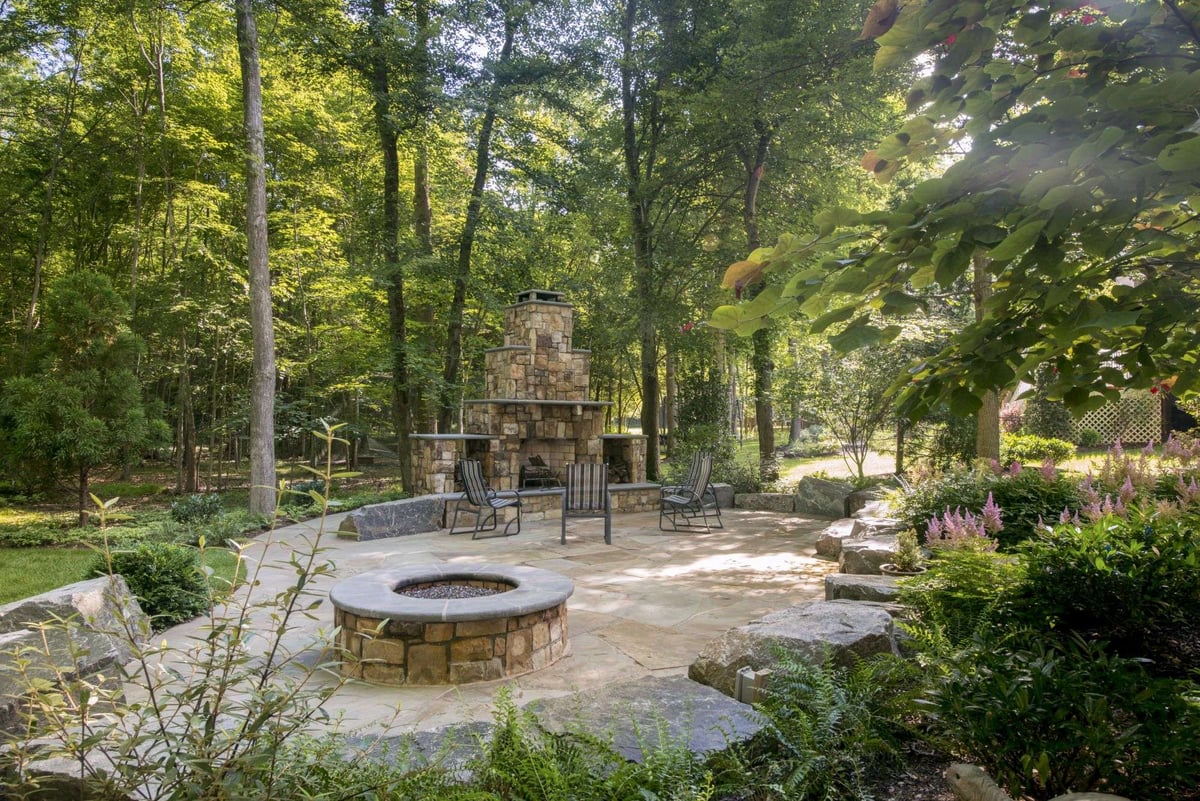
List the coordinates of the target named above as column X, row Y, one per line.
column 608, row 528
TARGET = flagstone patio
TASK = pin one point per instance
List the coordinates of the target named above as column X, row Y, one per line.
column 644, row 605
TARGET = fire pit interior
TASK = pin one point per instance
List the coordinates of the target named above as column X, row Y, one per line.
column 450, row 624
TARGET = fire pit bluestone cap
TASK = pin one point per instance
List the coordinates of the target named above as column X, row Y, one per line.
column 373, row 594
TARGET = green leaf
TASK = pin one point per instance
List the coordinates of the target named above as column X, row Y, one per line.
column 858, row 334
column 1018, row 241
column 1181, row 156
column 725, row 318
column 1091, row 150
column 832, row 317
column 830, row 220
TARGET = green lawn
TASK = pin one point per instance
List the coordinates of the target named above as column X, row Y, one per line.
column 30, row 571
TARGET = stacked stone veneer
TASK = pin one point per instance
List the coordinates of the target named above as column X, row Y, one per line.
column 500, row 635
column 435, row 457
column 537, row 361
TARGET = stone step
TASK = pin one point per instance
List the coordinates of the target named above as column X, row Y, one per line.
column 853, row 587
column 632, row 711
column 864, row 556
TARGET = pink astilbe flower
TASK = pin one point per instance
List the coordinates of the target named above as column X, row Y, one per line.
column 1149, row 449
column 1088, row 490
column 1127, row 492
column 1188, row 493
column 959, row 530
column 1048, row 470
column 1066, row 518
column 992, row 523
column 994, row 465
column 1173, row 449
column 1014, row 469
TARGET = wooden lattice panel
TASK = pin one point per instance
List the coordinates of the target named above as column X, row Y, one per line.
column 1135, row 419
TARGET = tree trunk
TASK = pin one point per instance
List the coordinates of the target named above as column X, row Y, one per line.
column 637, row 176
column 379, row 77
column 462, row 276
column 83, row 496
column 672, row 402
column 763, row 339
column 262, row 393
column 987, row 430
column 794, row 422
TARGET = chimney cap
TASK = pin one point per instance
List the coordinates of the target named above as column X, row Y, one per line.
column 544, row 295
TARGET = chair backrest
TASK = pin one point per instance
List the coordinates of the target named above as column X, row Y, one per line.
column 586, row 488
column 473, row 481
column 699, row 474
column 537, row 461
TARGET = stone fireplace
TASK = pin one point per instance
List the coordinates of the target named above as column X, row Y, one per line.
column 536, row 404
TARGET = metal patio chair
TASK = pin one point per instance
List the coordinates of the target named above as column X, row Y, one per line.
column 486, row 501
column 692, row 504
column 585, row 494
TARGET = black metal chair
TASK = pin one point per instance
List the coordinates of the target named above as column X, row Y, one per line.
column 486, row 501
column 692, row 504
column 585, row 494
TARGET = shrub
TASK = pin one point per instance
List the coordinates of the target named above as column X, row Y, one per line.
column 166, row 578
column 1049, row 717
column 1028, row 497
column 1133, row 582
column 1089, row 438
column 1024, row 498
column 961, row 594
column 300, row 493
column 1030, row 449
column 196, row 508
column 1044, row 417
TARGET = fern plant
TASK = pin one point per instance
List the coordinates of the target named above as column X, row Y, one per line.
column 830, row 725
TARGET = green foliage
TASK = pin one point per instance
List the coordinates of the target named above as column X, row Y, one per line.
column 831, row 726
column 851, row 398
column 81, row 406
column 128, row 489
column 962, row 592
column 1024, row 498
column 942, row 440
column 1089, row 438
column 167, row 579
column 907, row 556
column 1047, row 717
column 196, row 508
column 1055, row 101
column 1030, row 449
column 1135, row 583
column 1044, row 416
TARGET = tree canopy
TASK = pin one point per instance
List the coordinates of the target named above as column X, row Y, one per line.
column 1080, row 182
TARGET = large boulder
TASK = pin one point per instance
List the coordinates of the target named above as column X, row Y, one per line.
column 806, row 631
column 101, row 626
column 857, row 500
column 866, row 555
column 629, row 711
column 765, row 501
column 821, row 497
column 395, row 518
column 724, row 495
column 853, row 587
column 829, row 541
column 876, row 526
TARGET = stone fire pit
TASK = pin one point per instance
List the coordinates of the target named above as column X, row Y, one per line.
column 392, row 638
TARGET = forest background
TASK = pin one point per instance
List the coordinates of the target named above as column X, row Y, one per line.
column 425, row 161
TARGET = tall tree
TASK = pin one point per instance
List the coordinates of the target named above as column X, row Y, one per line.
column 1083, row 152
column 262, row 395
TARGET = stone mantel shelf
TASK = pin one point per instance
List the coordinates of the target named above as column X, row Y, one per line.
column 526, row 348
column 456, row 437
column 536, row 402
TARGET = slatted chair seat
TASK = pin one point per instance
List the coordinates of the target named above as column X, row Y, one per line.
column 692, row 504
column 486, row 503
column 585, row 494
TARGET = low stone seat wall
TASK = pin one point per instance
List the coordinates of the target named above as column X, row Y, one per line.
column 432, row 512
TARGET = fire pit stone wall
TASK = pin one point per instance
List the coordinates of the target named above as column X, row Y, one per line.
column 389, row 638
